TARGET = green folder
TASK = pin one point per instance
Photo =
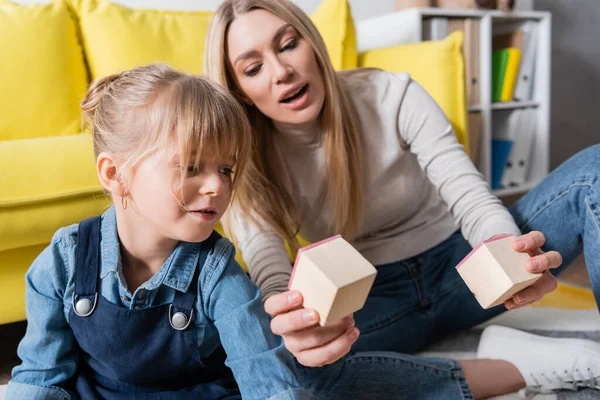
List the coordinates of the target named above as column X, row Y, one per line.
column 499, row 62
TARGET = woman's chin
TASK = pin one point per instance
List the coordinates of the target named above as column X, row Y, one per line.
column 300, row 117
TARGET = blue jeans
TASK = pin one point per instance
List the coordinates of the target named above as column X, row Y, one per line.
column 416, row 301
column 385, row 375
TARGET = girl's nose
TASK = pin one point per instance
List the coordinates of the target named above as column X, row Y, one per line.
column 212, row 184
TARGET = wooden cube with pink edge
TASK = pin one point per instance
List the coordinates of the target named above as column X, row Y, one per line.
column 333, row 277
column 494, row 271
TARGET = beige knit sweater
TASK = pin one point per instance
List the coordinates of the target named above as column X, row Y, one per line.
column 420, row 186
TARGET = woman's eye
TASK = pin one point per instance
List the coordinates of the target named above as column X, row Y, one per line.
column 290, row 45
column 252, row 71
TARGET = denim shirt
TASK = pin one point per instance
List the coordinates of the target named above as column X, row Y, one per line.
column 228, row 310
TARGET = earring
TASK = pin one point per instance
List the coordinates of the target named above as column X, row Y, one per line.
column 124, row 202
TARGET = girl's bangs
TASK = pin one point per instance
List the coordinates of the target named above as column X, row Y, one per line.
column 208, row 125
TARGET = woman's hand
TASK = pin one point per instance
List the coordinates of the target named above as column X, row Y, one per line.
column 311, row 344
column 540, row 262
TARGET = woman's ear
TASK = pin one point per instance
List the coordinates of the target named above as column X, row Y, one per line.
column 106, row 169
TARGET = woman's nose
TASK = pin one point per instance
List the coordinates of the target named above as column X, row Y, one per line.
column 281, row 70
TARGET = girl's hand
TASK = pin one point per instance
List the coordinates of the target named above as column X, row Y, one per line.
column 311, row 344
column 540, row 262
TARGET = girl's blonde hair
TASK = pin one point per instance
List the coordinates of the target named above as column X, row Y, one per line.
column 135, row 112
column 262, row 192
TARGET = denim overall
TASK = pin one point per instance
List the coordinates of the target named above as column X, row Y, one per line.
column 139, row 354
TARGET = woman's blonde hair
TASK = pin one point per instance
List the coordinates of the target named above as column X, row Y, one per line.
column 262, row 191
column 135, row 112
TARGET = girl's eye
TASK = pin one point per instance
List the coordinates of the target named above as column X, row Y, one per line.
column 253, row 71
column 290, row 45
column 192, row 170
column 226, row 171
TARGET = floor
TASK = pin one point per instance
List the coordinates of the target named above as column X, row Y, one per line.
column 11, row 334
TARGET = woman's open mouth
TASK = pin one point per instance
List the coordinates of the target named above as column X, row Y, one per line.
column 296, row 99
column 296, row 95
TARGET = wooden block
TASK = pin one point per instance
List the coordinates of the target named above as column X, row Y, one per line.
column 494, row 272
column 333, row 277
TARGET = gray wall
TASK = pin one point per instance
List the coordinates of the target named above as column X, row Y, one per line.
column 575, row 111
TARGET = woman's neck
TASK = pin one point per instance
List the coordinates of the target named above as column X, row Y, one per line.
column 143, row 252
column 307, row 133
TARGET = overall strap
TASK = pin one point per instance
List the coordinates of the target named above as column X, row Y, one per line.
column 87, row 267
column 185, row 301
column 87, row 257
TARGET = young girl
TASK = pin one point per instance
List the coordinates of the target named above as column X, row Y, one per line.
column 136, row 303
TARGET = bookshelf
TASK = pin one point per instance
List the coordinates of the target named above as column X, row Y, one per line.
column 414, row 25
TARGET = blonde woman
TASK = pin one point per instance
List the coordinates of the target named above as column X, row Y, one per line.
column 370, row 155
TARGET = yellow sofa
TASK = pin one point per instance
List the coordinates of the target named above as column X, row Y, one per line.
column 47, row 167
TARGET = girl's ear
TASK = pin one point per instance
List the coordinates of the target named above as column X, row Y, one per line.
column 106, row 169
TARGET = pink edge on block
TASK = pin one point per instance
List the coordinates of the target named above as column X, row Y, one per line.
column 481, row 244
column 310, row 246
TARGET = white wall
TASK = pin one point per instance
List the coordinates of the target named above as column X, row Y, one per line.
column 575, row 82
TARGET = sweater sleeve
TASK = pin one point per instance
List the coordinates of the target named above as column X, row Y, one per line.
column 264, row 253
column 428, row 133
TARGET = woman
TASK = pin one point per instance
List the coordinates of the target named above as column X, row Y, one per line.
column 370, row 155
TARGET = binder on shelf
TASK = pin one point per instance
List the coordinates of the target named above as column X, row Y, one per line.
column 475, row 128
column 510, row 75
column 505, row 124
column 524, row 84
column 470, row 29
column 517, row 165
column 499, row 63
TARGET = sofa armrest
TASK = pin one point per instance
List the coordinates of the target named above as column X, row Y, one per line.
column 47, row 183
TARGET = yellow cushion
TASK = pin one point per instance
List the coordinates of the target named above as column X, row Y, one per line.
column 118, row 38
column 47, row 183
column 13, row 266
column 438, row 66
column 42, row 73
column 334, row 21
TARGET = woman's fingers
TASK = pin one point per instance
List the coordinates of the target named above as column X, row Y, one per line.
column 316, row 336
column 531, row 241
column 310, row 343
column 546, row 284
column 283, row 302
column 544, row 261
column 330, row 352
column 293, row 321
